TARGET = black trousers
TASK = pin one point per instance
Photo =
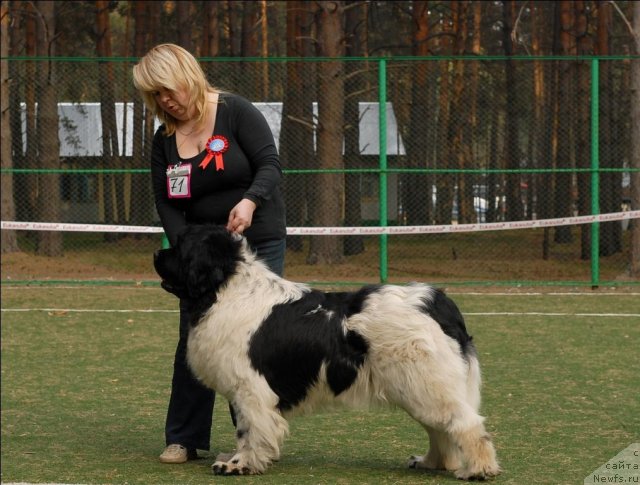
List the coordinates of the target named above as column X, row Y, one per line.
column 191, row 405
column 190, row 412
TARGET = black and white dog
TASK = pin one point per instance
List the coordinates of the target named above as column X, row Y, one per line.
column 273, row 347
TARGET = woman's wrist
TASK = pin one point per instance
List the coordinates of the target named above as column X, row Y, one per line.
column 254, row 200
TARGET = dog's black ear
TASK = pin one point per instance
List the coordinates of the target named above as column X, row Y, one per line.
column 167, row 266
column 203, row 279
column 211, row 262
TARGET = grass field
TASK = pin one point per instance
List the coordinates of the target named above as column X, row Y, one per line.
column 86, row 374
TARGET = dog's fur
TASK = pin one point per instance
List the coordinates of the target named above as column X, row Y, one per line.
column 273, row 347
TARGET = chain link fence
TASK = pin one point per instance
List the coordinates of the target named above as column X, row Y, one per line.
column 467, row 141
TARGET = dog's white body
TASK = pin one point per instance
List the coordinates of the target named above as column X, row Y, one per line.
column 409, row 362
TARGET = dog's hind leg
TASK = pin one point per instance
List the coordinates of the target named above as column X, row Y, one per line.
column 459, row 443
column 260, row 433
column 449, row 411
column 478, row 453
column 443, row 454
column 467, row 431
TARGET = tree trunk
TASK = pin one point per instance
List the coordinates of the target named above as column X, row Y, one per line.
column 550, row 138
column 444, row 155
column 634, row 265
column 582, row 74
column 563, row 193
column 185, row 25
column 460, row 140
column 264, row 48
column 538, row 154
column 250, row 29
column 414, row 191
column 27, row 209
column 113, row 184
column 611, row 146
column 234, row 47
column 50, row 243
column 211, row 38
column 329, row 187
column 211, row 35
column 296, row 134
column 9, row 239
column 472, row 134
column 512, row 152
column 142, row 205
column 356, row 18
column 16, row 73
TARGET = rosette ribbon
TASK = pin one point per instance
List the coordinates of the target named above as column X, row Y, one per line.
column 216, row 146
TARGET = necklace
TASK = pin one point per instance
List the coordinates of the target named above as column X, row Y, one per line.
column 187, row 135
column 179, row 146
column 193, row 130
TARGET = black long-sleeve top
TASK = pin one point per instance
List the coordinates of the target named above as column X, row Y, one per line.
column 251, row 170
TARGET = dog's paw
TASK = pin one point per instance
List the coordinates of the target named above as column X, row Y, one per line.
column 230, row 464
column 227, row 468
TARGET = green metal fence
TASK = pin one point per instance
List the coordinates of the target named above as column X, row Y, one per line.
column 435, row 145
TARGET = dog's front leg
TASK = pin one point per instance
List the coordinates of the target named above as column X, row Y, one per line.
column 259, row 435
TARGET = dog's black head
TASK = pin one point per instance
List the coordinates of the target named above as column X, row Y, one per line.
column 204, row 257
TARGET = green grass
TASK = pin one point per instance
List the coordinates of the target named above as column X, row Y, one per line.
column 84, row 394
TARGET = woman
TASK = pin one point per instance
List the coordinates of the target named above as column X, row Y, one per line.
column 213, row 160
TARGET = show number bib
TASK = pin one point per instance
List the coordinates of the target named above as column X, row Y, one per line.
column 179, row 181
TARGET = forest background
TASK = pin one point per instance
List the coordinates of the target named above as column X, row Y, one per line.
column 492, row 101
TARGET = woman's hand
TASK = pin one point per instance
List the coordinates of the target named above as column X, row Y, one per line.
column 241, row 216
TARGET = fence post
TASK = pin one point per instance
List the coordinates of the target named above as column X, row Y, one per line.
column 382, row 124
column 595, row 173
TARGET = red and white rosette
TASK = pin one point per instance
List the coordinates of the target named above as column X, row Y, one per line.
column 216, row 146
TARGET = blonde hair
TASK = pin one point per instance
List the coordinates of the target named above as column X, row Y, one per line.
column 171, row 67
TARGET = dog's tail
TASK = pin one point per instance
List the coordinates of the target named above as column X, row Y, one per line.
column 474, row 378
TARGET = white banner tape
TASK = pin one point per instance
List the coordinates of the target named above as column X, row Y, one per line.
column 63, row 226
column 346, row 231
column 453, row 228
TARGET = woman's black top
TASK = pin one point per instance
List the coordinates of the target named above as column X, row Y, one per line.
column 251, row 170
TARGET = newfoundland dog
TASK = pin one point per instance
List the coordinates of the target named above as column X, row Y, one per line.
column 273, row 347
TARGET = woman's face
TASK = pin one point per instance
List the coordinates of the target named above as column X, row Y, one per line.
column 174, row 102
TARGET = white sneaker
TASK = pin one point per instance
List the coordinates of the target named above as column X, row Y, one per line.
column 177, row 454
